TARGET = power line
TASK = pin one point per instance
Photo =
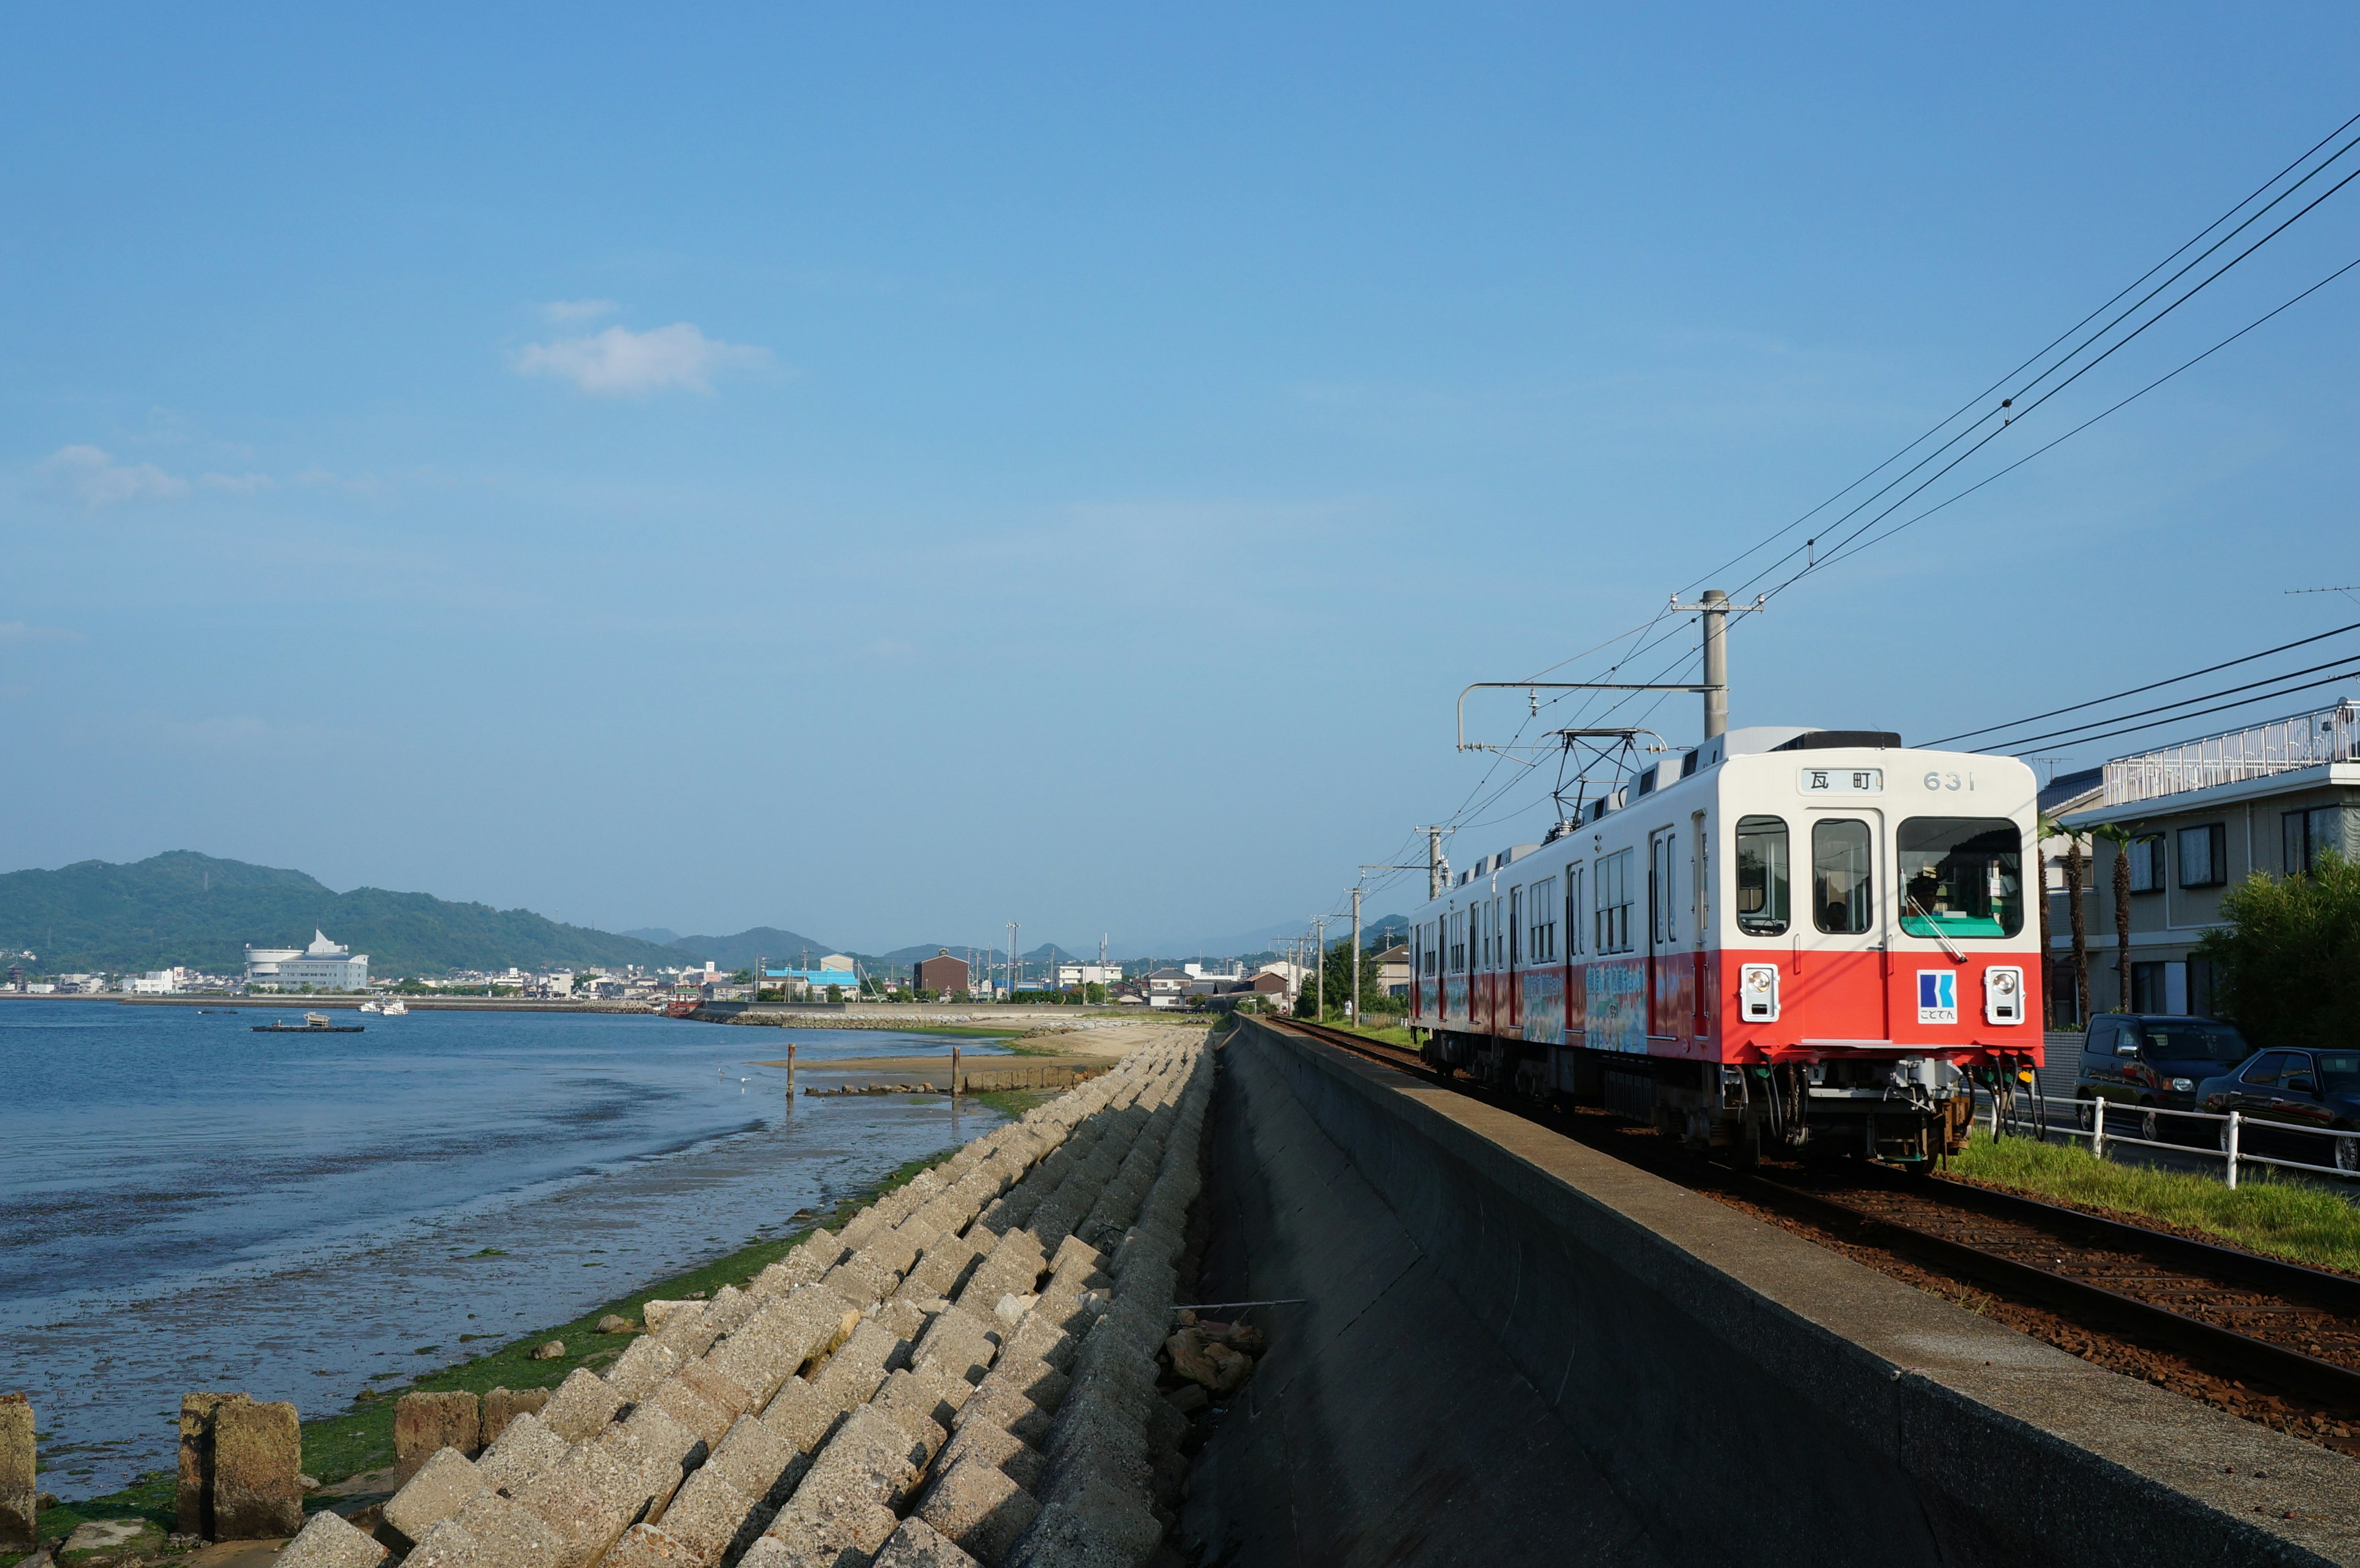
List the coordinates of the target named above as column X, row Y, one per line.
column 1940, row 425
column 2348, row 673
column 2168, row 707
column 2150, row 686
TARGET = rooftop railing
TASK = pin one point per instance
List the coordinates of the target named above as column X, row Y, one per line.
column 2257, row 751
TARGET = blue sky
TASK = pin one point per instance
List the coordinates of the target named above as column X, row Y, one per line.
column 890, row 475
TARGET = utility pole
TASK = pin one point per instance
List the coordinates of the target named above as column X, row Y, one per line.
column 1319, row 1008
column 1715, row 609
column 1012, row 961
column 1438, row 870
column 1352, row 1006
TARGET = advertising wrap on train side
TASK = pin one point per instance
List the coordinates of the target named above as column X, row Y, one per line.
column 1615, row 1015
column 1545, row 1007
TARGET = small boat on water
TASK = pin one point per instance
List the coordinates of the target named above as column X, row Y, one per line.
column 392, row 1007
column 313, row 1023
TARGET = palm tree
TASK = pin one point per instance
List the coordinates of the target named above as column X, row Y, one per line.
column 2077, row 876
column 2121, row 837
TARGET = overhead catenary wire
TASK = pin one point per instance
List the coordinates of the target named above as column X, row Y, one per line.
column 2350, row 671
column 2150, row 686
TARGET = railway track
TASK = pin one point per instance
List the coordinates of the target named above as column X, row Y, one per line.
column 2269, row 1340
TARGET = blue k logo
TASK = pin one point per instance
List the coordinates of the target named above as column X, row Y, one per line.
column 1938, row 996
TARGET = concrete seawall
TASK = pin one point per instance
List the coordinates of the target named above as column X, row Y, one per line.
column 1517, row 1349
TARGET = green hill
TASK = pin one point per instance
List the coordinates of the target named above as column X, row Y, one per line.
column 185, row 908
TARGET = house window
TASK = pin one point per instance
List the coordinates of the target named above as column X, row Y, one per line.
column 1615, row 899
column 2204, row 856
column 2146, row 864
column 2309, row 835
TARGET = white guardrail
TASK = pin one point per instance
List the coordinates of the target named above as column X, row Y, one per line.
column 2097, row 1120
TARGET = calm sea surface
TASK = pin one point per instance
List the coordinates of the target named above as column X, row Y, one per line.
column 185, row 1203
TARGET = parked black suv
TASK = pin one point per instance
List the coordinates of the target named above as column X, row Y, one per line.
column 2154, row 1061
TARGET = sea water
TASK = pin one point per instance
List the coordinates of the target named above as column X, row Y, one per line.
column 185, row 1203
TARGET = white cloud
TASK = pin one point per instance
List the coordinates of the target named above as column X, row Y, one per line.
column 97, row 480
column 236, row 483
column 18, row 632
column 579, row 309
column 620, row 360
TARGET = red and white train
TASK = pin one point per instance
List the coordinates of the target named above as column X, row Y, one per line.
column 1813, row 939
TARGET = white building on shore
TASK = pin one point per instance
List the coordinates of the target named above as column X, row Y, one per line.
column 323, row 966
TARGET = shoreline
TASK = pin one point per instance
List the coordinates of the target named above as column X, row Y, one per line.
column 359, row 1439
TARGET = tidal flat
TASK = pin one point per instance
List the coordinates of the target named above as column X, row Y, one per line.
column 185, row 1203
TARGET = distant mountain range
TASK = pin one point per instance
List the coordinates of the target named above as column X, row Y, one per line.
column 184, row 907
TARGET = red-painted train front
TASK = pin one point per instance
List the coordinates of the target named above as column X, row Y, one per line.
column 1811, row 938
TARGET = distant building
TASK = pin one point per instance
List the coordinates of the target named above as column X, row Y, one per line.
column 1074, row 976
column 1393, row 969
column 156, row 983
column 941, row 972
column 2203, row 815
column 837, row 969
column 324, row 965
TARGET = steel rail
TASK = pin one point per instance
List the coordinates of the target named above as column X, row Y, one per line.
column 2224, row 1350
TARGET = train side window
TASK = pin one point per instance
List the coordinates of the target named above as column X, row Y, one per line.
column 1615, row 890
column 1842, row 890
column 1761, row 876
column 1663, row 895
column 1540, row 940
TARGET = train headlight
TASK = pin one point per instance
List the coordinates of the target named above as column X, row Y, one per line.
column 1757, row 993
column 2003, row 994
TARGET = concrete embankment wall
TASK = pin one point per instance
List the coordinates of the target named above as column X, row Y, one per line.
column 1516, row 1349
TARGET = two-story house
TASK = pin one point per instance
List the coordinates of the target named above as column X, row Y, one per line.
column 2203, row 816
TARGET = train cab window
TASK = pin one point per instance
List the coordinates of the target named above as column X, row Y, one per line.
column 1961, row 877
column 1762, row 896
column 1842, row 882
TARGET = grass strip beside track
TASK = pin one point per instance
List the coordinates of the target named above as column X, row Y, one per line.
column 361, row 1438
column 2277, row 1217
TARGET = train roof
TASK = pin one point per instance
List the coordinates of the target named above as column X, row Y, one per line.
column 1750, row 740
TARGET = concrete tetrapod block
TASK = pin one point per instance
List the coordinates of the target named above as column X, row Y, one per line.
column 438, row 1491
column 976, row 1505
column 502, row 1406
column 526, row 1449
column 684, row 1405
column 800, row 1416
column 645, row 1546
column 712, row 1518
column 994, row 1445
column 326, row 1541
column 1101, row 1526
column 583, row 1405
column 600, row 1490
column 646, row 1363
column 756, row 1461
column 508, row 1535
column 870, row 1460
column 192, row 1501
column 724, row 1394
column 19, row 1509
column 853, row 1374
column 916, row 1544
column 957, row 1342
column 905, row 1317
column 911, row 1403
column 258, row 1489
column 426, row 1424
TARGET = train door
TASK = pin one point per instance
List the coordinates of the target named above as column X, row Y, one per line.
column 1702, row 978
column 1850, row 969
column 1666, row 1016
column 1512, row 1011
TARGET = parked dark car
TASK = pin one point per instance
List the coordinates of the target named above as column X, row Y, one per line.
column 2317, row 1091
column 2148, row 1062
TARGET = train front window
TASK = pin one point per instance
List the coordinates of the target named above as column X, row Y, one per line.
column 1761, row 876
column 1961, row 877
column 1843, row 883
